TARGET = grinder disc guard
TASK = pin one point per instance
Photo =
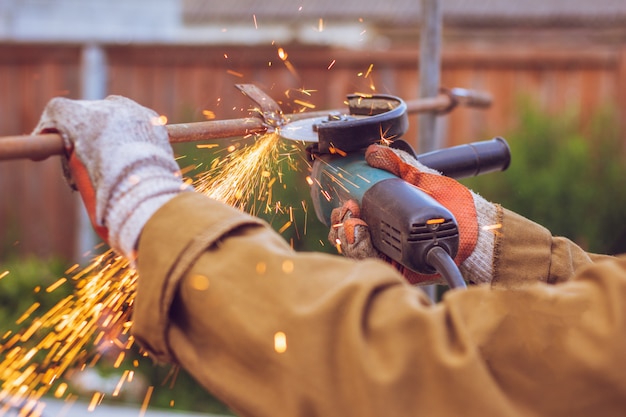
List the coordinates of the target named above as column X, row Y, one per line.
column 371, row 119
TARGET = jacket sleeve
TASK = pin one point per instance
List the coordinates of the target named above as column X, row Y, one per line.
column 526, row 252
column 272, row 332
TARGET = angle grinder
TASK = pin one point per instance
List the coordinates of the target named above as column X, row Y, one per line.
column 405, row 223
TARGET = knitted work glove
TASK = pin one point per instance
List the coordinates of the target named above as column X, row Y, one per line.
column 119, row 159
column 475, row 216
column 350, row 233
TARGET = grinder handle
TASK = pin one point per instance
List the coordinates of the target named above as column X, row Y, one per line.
column 469, row 160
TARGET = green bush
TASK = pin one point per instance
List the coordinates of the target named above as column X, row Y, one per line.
column 25, row 284
column 569, row 179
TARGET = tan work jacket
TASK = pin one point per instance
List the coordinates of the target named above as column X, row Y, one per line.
column 272, row 332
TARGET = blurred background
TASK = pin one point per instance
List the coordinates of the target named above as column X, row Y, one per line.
column 556, row 70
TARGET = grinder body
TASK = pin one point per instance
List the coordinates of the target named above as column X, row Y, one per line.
column 405, row 223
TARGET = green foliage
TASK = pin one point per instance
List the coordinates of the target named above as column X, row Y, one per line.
column 25, row 284
column 569, row 180
column 183, row 393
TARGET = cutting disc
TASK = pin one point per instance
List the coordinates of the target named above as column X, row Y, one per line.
column 301, row 130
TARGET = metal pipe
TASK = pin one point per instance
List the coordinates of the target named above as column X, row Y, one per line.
column 429, row 70
column 39, row 147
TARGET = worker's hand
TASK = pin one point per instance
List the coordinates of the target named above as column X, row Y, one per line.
column 476, row 217
column 119, row 159
column 350, row 234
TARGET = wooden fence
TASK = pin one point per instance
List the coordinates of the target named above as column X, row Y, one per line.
column 38, row 213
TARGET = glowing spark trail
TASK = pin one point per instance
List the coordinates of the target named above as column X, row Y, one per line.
column 96, row 317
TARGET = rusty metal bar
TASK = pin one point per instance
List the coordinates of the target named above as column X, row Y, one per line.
column 38, row 147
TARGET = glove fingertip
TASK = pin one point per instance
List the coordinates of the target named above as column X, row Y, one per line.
column 350, row 227
column 352, row 207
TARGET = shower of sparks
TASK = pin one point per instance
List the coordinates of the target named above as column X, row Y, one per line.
column 95, row 320
column 96, row 317
column 50, row 344
column 244, row 178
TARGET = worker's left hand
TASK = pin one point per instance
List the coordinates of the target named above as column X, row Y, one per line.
column 120, row 160
column 350, row 233
column 351, row 236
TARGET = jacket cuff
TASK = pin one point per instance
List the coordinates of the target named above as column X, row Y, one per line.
column 522, row 252
column 173, row 238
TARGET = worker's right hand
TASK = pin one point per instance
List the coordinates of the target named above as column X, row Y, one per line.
column 477, row 218
column 119, row 159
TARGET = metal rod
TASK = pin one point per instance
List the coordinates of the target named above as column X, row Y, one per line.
column 429, row 70
column 429, row 81
column 38, row 147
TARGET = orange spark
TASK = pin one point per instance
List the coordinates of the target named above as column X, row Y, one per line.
column 28, row 312
column 305, row 104
column 492, row 227
column 234, row 73
column 56, row 285
column 207, row 146
column 334, row 150
column 146, row 401
column 159, row 121
column 285, row 227
column 208, row 114
column 280, row 342
column 60, row 390
column 119, row 360
column 95, row 401
column 338, row 245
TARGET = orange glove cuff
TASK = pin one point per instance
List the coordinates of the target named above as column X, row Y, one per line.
column 84, row 186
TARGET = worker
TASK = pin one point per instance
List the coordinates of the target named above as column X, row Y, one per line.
column 272, row 332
